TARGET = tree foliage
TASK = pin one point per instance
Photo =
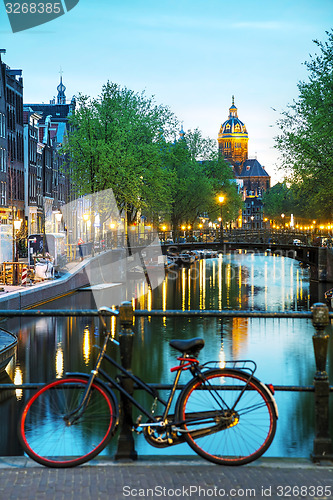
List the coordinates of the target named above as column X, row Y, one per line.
column 124, row 141
column 306, row 138
column 115, row 143
column 199, row 175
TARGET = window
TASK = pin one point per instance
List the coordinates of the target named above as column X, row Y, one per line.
column 3, row 196
column 3, row 160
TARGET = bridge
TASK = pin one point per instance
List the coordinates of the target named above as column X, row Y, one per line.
column 319, row 259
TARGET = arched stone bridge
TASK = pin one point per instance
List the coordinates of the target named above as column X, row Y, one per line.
column 320, row 259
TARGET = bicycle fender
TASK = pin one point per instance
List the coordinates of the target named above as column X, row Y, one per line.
column 103, row 384
column 263, row 386
column 267, row 389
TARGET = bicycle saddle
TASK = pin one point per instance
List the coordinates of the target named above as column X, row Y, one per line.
column 189, row 346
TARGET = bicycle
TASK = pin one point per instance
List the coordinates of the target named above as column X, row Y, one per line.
column 226, row 415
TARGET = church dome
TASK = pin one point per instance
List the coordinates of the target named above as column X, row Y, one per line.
column 233, row 125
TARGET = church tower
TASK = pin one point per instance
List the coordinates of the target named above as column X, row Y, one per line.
column 61, row 97
column 233, row 140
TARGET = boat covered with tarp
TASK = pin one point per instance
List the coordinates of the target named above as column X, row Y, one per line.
column 8, row 345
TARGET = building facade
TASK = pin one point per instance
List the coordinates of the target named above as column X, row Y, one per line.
column 233, row 140
column 53, row 129
column 250, row 175
column 12, row 213
column 33, row 181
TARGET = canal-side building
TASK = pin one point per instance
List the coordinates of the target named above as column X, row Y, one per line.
column 250, row 175
column 3, row 142
column 11, row 152
column 33, row 172
column 53, row 130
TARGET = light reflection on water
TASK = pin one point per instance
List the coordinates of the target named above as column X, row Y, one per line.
column 282, row 348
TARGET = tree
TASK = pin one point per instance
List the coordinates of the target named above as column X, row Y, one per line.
column 277, row 200
column 115, row 142
column 198, row 176
column 306, row 139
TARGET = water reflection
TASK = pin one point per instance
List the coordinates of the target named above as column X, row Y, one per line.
column 18, row 380
column 235, row 281
column 59, row 361
column 86, row 345
column 282, row 348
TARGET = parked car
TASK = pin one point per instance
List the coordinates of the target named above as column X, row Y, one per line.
column 297, row 242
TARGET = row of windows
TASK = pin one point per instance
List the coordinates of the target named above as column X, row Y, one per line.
column 16, row 100
column 237, row 127
column 16, row 184
column 227, row 145
column 15, row 147
column 253, row 217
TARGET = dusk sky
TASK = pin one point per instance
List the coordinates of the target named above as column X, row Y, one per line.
column 191, row 55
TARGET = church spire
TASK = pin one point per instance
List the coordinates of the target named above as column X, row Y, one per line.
column 181, row 132
column 61, row 98
column 233, row 109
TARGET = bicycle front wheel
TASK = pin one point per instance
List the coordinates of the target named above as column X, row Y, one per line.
column 224, row 425
column 48, row 437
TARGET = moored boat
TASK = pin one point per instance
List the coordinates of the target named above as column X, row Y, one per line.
column 8, row 344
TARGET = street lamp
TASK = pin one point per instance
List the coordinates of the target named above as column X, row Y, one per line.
column 16, row 225
column 58, row 217
column 86, row 220
column 221, row 200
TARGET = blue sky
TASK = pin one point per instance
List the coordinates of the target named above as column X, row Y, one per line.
column 192, row 55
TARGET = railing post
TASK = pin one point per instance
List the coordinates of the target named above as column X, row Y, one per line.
column 126, row 448
column 322, row 444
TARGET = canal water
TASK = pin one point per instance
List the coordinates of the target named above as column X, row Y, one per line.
column 282, row 348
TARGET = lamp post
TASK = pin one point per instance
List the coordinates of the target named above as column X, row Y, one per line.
column 17, row 226
column 86, row 220
column 58, row 217
column 221, row 200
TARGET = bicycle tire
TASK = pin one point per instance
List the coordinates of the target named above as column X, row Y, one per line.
column 230, row 439
column 46, row 437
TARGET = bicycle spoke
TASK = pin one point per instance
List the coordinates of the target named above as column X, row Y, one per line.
column 240, row 424
column 51, row 439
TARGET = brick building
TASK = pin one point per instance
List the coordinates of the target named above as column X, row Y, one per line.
column 53, row 129
column 250, row 175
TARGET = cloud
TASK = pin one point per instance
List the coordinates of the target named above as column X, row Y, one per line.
column 261, row 25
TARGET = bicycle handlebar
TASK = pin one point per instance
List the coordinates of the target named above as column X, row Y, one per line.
column 104, row 309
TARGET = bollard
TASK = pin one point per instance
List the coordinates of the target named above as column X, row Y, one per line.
column 24, row 276
column 322, row 444
column 126, row 449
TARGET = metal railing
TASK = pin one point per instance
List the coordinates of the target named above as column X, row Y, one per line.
column 319, row 314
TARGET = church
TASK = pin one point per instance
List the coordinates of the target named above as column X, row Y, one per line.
column 250, row 175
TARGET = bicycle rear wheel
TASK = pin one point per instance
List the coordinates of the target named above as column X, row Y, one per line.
column 221, row 428
column 47, row 437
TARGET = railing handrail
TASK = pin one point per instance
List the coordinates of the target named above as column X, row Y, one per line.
column 160, row 312
column 319, row 314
